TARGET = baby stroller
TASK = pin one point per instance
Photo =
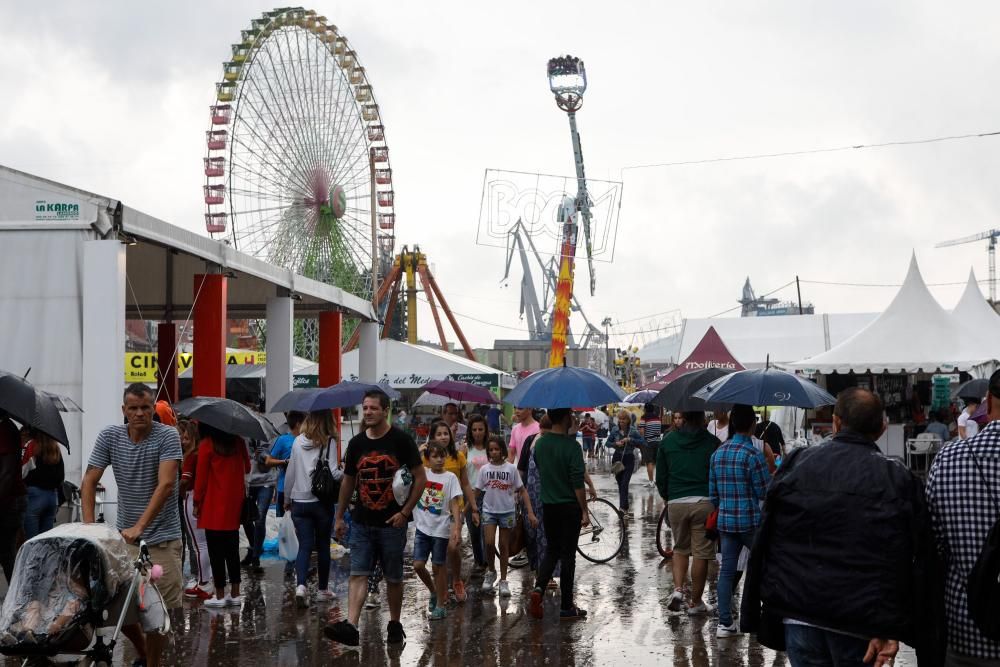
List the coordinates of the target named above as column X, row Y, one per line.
column 73, row 588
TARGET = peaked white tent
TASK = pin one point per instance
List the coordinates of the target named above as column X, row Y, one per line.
column 975, row 315
column 914, row 334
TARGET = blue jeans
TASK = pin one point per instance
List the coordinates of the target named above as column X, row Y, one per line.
column 476, row 537
column 312, row 527
column 377, row 544
column 41, row 512
column 625, row 476
column 263, row 495
column 732, row 544
column 424, row 546
column 815, row 647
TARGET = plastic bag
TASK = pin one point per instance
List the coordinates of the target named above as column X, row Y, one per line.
column 288, row 541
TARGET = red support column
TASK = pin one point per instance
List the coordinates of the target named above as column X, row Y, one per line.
column 209, row 374
column 330, row 327
column 330, row 337
column 166, row 361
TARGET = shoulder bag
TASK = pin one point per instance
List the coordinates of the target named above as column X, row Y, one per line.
column 324, row 486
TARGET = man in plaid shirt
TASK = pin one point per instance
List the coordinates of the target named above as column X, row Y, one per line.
column 962, row 513
column 737, row 483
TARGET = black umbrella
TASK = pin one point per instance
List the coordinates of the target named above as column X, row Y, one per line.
column 972, row 389
column 677, row 396
column 288, row 402
column 31, row 407
column 228, row 416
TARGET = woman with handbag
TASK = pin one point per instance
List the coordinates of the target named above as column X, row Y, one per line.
column 623, row 439
column 219, row 499
column 313, row 468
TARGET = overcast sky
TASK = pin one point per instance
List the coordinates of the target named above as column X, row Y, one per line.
column 112, row 97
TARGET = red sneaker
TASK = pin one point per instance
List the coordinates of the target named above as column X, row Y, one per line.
column 198, row 592
column 535, row 604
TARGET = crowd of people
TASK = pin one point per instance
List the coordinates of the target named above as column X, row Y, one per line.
column 845, row 553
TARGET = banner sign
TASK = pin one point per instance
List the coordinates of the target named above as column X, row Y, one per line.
column 141, row 366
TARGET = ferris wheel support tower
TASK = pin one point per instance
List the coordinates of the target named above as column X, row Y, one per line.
column 568, row 82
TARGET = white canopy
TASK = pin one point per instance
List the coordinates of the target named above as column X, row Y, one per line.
column 913, row 334
column 406, row 366
column 976, row 315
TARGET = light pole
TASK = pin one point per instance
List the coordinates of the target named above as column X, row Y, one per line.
column 607, row 347
column 568, row 82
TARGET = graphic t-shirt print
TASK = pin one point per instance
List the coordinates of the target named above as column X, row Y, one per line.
column 375, row 472
column 432, row 499
column 499, row 479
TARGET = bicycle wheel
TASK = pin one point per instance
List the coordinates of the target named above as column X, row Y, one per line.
column 664, row 538
column 605, row 536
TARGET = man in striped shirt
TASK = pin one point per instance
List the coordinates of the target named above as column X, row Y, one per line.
column 145, row 456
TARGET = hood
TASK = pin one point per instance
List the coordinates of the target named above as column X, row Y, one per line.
column 306, row 443
column 692, row 439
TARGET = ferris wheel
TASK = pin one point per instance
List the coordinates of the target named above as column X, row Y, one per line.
column 297, row 167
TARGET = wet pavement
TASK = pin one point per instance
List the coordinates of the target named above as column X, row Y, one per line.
column 628, row 622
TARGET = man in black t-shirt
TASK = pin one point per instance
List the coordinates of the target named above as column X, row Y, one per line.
column 378, row 531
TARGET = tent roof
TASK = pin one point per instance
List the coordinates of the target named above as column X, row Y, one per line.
column 409, row 366
column 913, row 334
column 975, row 315
column 710, row 352
column 753, row 340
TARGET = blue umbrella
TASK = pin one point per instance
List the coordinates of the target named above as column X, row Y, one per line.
column 641, row 396
column 768, row 386
column 564, row 387
column 341, row 395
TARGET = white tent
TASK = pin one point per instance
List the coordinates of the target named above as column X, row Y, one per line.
column 914, row 334
column 406, row 366
column 975, row 315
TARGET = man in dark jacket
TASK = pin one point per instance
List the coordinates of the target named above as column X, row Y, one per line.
column 682, row 464
column 12, row 494
column 844, row 562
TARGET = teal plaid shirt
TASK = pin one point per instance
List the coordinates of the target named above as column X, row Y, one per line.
column 737, row 483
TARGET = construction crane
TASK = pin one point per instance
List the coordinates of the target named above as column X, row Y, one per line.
column 991, row 249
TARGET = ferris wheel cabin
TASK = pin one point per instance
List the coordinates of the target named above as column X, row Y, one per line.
column 221, row 114
column 215, row 166
column 215, row 222
column 216, row 140
column 215, row 194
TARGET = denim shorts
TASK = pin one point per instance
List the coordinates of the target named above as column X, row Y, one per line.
column 428, row 545
column 382, row 542
column 505, row 520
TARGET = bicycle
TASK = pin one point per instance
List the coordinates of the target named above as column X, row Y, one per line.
column 664, row 537
column 603, row 539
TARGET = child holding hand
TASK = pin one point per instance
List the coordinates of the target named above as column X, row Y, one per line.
column 438, row 522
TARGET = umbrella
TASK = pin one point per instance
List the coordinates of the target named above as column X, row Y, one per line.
column 228, row 416
column 62, row 403
column 427, row 399
column 564, row 387
column 463, row 392
column 31, row 407
column 640, row 397
column 766, row 386
column 972, row 389
column 288, row 402
column 341, row 395
column 677, row 396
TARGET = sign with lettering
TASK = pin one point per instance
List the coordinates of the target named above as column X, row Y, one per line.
column 142, row 367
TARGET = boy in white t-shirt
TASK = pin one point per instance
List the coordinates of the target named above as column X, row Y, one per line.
column 500, row 483
column 438, row 522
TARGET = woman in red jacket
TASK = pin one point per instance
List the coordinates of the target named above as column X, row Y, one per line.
column 219, row 489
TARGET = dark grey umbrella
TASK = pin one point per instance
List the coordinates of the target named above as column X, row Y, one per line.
column 31, row 407
column 972, row 389
column 288, row 402
column 228, row 416
column 677, row 396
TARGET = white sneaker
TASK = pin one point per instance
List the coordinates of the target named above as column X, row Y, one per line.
column 731, row 630
column 300, row 596
column 676, row 600
column 700, row 609
column 217, row 603
column 504, row 589
column 488, row 580
column 234, row 601
column 520, row 560
column 324, row 596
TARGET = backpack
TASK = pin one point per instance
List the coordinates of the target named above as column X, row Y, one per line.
column 325, row 487
column 983, row 582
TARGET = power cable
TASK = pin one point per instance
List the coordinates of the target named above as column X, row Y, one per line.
column 812, row 151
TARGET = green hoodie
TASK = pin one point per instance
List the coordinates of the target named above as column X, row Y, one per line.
column 682, row 462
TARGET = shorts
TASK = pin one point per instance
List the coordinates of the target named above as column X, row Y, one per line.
column 429, row 545
column 649, row 453
column 588, row 444
column 505, row 520
column 168, row 556
column 687, row 523
column 384, row 543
